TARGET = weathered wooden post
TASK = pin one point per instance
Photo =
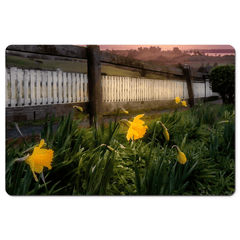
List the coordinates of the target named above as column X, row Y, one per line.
column 95, row 85
column 205, row 85
column 187, row 73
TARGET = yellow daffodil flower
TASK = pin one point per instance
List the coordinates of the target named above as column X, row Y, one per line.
column 184, row 103
column 40, row 158
column 136, row 129
column 177, row 100
column 165, row 132
column 181, row 156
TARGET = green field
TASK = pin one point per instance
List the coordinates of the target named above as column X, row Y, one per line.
column 71, row 66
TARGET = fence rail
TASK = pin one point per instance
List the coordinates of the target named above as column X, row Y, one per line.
column 37, row 87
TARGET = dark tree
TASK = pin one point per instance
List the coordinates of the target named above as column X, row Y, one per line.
column 176, row 50
column 153, row 49
column 222, row 80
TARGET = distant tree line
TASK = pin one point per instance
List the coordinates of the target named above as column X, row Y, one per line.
column 175, row 50
column 132, row 53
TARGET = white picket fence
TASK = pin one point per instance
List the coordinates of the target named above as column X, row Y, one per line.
column 122, row 89
column 125, row 89
column 37, row 87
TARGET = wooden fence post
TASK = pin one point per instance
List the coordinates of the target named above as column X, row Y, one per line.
column 205, row 87
column 205, row 90
column 94, row 83
column 187, row 73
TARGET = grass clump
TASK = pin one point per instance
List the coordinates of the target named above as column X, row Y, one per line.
column 101, row 161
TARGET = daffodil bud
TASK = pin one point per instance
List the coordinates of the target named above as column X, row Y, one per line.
column 80, row 109
column 165, row 132
column 181, row 156
column 125, row 111
column 184, row 103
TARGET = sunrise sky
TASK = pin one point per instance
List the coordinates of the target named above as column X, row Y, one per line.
column 164, row 47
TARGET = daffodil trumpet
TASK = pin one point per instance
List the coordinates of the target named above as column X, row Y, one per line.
column 136, row 129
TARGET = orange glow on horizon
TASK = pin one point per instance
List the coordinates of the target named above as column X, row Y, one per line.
column 164, row 47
